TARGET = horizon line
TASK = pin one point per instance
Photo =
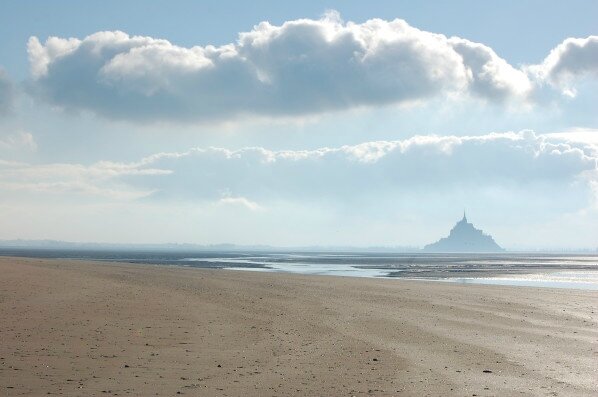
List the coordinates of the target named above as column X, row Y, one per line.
column 64, row 244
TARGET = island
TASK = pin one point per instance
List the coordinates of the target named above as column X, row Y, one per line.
column 464, row 237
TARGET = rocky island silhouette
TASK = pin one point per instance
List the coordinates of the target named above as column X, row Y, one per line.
column 464, row 237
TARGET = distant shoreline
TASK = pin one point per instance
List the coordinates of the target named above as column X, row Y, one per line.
column 67, row 246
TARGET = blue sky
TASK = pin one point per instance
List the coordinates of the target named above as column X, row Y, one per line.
column 328, row 123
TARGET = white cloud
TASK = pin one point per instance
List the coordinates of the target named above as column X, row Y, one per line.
column 98, row 180
column 240, row 201
column 41, row 56
column 520, row 161
column 300, row 67
column 489, row 75
column 571, row 60
column 587, row 136
column 21, row 140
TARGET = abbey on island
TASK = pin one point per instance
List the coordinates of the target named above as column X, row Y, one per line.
column 464, row 237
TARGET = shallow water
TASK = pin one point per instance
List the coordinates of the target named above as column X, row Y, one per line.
column 569, row 279
column 577, row 272
column 520, row 269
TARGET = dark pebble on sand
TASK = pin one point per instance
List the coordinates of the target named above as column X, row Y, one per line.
column 126, row 366
column 487, row 371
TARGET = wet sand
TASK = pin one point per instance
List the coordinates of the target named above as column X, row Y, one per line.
column 82, row 328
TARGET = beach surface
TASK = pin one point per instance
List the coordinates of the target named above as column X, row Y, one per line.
column 80, row 328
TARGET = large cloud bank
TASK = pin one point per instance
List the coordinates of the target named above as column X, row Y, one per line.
column 301, row 67
column 256, row 176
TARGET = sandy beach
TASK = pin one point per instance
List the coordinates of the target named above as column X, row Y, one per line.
column 80, row 328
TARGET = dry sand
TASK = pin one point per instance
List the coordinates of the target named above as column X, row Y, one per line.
column 82, row 328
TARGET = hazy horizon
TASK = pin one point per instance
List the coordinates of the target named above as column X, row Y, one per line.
column 295, row 125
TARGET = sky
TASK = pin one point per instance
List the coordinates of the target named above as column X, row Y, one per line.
column 299, row 123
